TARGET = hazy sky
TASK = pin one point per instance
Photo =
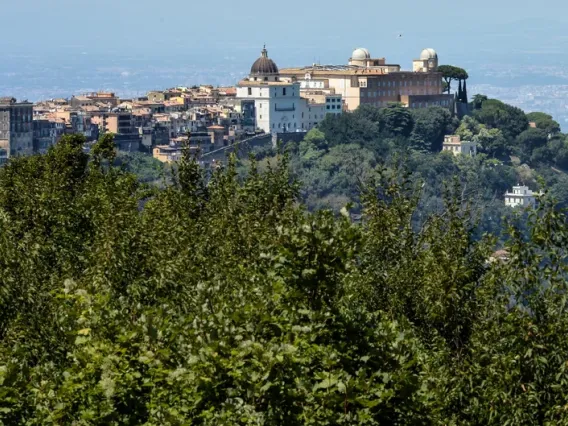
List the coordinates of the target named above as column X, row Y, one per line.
column 293, row 30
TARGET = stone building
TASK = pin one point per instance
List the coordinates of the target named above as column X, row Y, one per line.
column 16, row 128
column 367, row 80
column 277, row 105
column 456, row 146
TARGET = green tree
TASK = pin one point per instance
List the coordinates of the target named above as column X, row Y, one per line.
column 396, row 120
column 544, row 121
column 430, row 126
column 530, row 140
column 495, row 114
column 451, row 73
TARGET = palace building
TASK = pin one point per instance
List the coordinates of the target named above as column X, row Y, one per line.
column 279, row 105
column 368, row 80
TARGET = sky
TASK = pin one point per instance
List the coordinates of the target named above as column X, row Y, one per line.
column 295, row 30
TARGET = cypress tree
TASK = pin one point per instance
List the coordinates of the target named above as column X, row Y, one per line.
column 460, row 91
column 464, row 92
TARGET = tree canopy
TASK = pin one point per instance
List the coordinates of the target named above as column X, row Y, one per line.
column 220, row 298
column 452, row 73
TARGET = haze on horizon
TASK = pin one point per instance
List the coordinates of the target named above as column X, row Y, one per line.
column 317, row 30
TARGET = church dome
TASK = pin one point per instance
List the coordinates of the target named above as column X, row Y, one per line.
column 264, row 65
column 428, row 54
column 360, row 54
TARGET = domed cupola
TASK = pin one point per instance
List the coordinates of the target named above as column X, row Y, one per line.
column 263, row 66
column 428, row 54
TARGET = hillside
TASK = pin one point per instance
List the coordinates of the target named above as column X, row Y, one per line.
column 224, row 299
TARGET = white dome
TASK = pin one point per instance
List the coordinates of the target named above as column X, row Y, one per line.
column 360, row 54
column 428, row 54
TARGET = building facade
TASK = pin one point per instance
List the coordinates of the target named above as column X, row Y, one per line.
column 456, row 146
column 367, row 80
column 521, row 196
column 278, row 105
column 16, row 128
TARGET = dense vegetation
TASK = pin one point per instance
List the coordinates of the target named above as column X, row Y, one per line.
column 344, row 151
column 223, row 301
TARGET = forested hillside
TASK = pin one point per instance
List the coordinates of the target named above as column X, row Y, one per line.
column 344, row 151
column 222, row 301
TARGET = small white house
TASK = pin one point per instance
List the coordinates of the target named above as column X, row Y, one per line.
column 456, row 146
column 521, row 196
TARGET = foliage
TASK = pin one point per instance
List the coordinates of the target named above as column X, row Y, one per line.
column 430, row 126
column 495, row 114
column 226, row 303
column 452, row 73
column 147, row 168
column 530, row 140
column 544, row 121
column 218, row 299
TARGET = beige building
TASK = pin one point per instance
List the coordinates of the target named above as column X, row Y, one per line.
column 367, row 80
column 456, row 146
column 113, row 122
column 167, row 153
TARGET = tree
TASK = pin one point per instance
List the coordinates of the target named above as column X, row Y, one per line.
column 495, row 114
column 451, row 73
column 492, row 142
column 544, row 121
column 396, row 120
column 430, row 126
column 477, row 101
column 368, row 112
column 530, row 140
column 464, row 92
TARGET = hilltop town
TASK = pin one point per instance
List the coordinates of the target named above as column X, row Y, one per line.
column 267, row 105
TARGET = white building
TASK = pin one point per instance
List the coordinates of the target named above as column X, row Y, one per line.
column 521, row 196
column 456, row 146
column 278, row 105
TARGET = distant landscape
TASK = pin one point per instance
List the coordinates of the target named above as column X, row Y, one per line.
column 508, row 64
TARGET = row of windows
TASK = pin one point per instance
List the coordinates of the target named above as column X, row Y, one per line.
column 512, row 200
column 275, row 93
column 404, row 83
column 288, row 126
column 433, row 103
column 309, row 115
column 333, row 106
column 395, row 93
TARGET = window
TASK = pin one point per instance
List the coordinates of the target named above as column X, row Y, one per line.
column 260, row 117
column 327, row 107
column 278, row 125
column 250, row 91
column 283, row 91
